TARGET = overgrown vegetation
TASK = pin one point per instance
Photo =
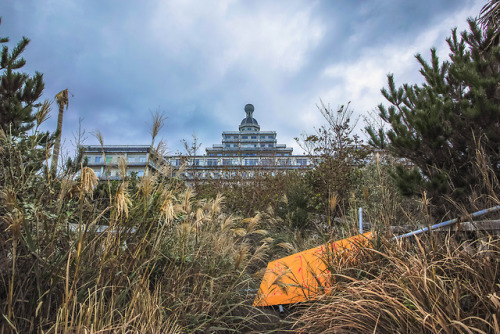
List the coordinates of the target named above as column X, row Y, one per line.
column 154, row 255
column 154, row 260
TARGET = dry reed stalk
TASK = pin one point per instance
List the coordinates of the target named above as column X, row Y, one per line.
column 122, row 167
column 88, row 181
column 159, row 119
column 216, row 205
column 182, row 169
column 483, row 165
column 167, row 207
column 43, row 113
column 147, row 185
column 122, row 201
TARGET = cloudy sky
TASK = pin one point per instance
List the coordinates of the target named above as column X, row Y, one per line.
column 201, row 61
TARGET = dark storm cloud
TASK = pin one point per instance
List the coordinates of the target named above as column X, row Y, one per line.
column 201, row 61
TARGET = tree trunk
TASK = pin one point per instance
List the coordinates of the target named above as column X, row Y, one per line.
column 62, row 101
column 57, row 143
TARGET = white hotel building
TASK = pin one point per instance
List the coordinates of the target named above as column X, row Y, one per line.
column 248, row 150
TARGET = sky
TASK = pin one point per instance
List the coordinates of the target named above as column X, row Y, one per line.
column 200, row 62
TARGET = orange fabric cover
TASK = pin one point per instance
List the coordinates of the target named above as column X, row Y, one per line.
column 302, row 276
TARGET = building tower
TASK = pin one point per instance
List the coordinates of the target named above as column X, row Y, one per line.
column 249, row 141
column 249, row 124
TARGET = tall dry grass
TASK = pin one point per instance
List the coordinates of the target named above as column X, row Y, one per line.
column 428, row 286
column 148, row 258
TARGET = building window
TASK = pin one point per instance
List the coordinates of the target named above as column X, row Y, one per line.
column 270, row 137
column 140, row 173
column 270, row 145
column 98, row 159
column 235, row 145
column 142, row 159
column 131, row 159
column 249, row 129
column 228, row 145
column 108, row 159
column 262, row 145
column 211, row 162
column 302, row 162
column 235, row 137
column 175, row 162
column 286, row 154
column 211, row 154
column 253, row 137
column 196, row 162
column 227, row 162
column 244, row 137
column 266, row 162
column 251, row 162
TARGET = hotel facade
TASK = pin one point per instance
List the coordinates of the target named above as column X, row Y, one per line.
column 248, row 151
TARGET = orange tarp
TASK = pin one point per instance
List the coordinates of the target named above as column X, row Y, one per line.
column 302, row 276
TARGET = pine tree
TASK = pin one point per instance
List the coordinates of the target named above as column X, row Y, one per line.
column 439, row 125
column 19, row 92
column 20, row 110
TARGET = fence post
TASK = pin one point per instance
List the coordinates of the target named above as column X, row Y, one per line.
column 360, row 220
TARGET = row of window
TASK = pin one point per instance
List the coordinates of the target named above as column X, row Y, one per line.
column 248, row 137
column 117, row 173
column 251, row 129
column 246, row 162
column 223, row 175
column 249, row 145
column 110, row 159
column 243, row 154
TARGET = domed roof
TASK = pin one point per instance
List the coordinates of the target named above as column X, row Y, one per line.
column 249, row 120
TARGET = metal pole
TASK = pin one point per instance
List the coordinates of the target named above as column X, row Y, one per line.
column 446, row 223
column 360, row 220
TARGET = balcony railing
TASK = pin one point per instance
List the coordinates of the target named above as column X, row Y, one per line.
column 258, row 148
column 116, row 149
column 246, row 140
column 115, row 163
